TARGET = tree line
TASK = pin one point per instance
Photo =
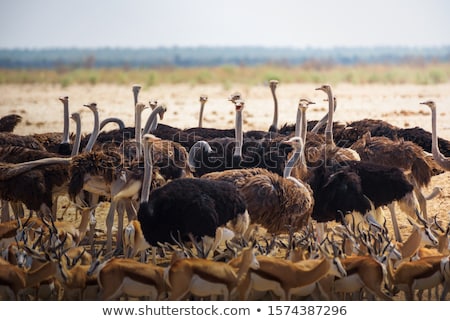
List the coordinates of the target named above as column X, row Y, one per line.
column 216, row 56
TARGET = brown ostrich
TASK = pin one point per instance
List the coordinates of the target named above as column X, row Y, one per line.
column 439, row 158
column 42, row 179
column 401, row 154
column 273, row 201
column 19, row 155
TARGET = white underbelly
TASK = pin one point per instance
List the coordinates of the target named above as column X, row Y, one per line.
column 304, row 290
column 348, row 284
column 201, row 287
column 429, row 282
column 134, row 288
column 263, row 285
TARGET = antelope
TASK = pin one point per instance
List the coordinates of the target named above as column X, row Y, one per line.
column 121, row 276
column 16, row 280
column 420, row 236
column 443, row 243
column 76, row 281
column 422, row 274
column 202, row 277
column 286, row 279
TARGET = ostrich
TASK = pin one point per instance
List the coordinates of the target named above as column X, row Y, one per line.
column 440, row 159
column 9, row 122
column 189, row 207
column 347, row 135
column 42, row 178
column 404, row 155
column 273, row 201
column 47, row 182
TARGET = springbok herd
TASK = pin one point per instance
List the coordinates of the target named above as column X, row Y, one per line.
column 291, row 213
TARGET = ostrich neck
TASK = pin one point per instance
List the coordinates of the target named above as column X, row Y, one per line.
column 321, row 122
column 95, row 131
column 200, row 117
column 298, row 123
column 116, row 120
column 20, row 168
column 437, row 155
column 329, row 129
column 301, row 124
column 239, row 134
column 298, row 154
column 76, row 144
column 274, row 126
column 135, row 95
column 152, row 122
column 148, row 172
column 65, row 139
column 138, row 130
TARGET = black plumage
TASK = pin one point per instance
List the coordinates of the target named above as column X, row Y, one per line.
column 188, row 205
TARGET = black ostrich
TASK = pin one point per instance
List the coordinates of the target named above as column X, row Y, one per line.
column 189, row 207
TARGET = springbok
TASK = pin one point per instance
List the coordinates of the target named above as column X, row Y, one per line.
column 202, row 277
column 121, row 276
column 287, row 279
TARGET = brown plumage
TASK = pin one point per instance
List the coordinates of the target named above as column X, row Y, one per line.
column 272, row 201
column 9, row 122
column 396, row 153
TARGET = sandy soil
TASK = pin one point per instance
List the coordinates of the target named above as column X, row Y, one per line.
column 397, row 104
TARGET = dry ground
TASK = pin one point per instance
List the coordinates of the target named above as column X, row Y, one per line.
column 397, row 104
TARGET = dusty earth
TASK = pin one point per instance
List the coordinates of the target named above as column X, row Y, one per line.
column 397, row 104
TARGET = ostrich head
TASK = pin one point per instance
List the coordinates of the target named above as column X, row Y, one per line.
column 136, row 89
column 303, row 102
column 64, row 99
column 92, row 106
column 140, row 107
column 273, row 84
column 296, row 142
column 203, row 98
column 153, row 103
column 325, row 88
column 239, row 105
column 162, row 111
column 235, row 97
column 429, row 103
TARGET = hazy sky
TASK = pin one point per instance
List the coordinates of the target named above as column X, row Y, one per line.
column 293, row 23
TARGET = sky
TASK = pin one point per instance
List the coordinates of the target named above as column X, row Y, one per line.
column 277, row 23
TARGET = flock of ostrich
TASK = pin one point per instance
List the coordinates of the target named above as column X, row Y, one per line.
column 286, row 213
